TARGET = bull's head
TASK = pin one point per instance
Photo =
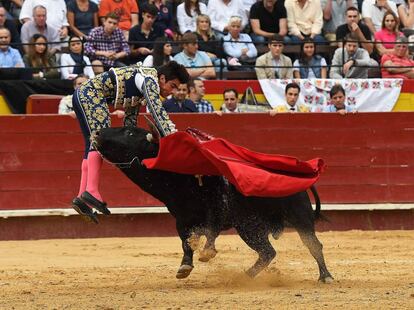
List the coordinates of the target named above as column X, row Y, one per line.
column 124, row 144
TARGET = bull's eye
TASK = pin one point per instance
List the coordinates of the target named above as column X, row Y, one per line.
column 129, row 133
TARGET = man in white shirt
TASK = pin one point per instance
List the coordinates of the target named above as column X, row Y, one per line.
column 220, row 12
column 56, row 14
column 231, row 102
column 373, row 12
column 305, row 19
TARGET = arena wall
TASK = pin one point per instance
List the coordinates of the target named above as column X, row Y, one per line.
column 368, row 184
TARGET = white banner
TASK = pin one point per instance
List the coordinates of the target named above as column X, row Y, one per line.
column 366, row 95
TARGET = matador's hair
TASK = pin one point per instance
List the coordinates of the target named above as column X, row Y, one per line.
column 173, row 70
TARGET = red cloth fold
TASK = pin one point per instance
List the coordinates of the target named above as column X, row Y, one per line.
column 253, row 173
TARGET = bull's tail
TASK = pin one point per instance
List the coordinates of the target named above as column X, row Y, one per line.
column 317, row 213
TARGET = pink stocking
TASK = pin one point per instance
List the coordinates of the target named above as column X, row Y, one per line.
column 94, row 168
column 84, row 177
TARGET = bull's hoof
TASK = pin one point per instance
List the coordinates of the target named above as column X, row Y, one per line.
column 184, row 271
column 326, row 280
column 97, row 204
column 84, row 211
column 252, row 272
column 207, row 254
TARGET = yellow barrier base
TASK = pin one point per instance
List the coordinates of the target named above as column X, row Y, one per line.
column 4, row 108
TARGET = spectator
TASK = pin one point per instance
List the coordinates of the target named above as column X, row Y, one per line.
column 14, row 33
column 38, row 57
column 13, row 8
column 82, row 17
column 161, row 54
column 350, row 61
column 337, row 104
column 357, row 28
column 65, row 104
column 75, row 63
column 197, row 92
column 238, row 46
column 385, row 38
column 197, row 63
column 187, row 13
column 399, row 59
column 291, row 105
column 164, row 20
column 334, row 12
column 267, row 18
column 106, row 45
column 406, row 14
column 373, row 12
column 9, row 57
column 39, row 26
column 56, row 14
column 247, row 5
column 309, row 65
column 231, row 102
column 209, row 43
column 127, row 11
column 179, row 102
column 273, row 64
column 142, row 36
column 220, row 12
column 305, row 19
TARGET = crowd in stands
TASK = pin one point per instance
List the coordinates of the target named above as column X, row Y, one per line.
column 62, row 39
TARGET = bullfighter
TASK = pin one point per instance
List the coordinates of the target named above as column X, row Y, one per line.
column 127, row 87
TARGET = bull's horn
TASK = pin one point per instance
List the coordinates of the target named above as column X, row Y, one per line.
column 153, row 129
column 150, row 138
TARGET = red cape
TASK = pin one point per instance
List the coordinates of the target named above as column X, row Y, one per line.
column 253, row 173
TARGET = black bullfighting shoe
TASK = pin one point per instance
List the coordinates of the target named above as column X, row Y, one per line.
column 92, row 201
column 83, row 209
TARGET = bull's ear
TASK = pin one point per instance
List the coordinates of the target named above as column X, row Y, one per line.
column 153, row 129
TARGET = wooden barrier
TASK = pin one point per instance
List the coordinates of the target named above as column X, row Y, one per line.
column 370, row 158
column 43, row 104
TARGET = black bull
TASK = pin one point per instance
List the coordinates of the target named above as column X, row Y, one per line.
column 213, row 206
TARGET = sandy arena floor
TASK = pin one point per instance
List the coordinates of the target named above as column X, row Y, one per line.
column 372, row 270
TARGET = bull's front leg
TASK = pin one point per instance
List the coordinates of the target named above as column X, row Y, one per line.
column 187, row 261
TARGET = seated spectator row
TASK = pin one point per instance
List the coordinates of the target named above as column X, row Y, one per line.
column 188, row 98
column 296, row 20
column 349, row 61
column 106, row 46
